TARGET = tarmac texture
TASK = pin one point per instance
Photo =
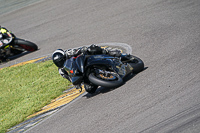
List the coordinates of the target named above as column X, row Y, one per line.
column 165, row 34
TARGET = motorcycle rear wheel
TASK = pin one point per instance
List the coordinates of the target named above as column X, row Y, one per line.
column 27, row 45
column 109, row 82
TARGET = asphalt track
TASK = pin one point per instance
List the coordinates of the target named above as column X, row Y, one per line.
column 165, row 34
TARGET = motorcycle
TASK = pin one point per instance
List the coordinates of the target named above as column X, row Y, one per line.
column 101, row 70
column 15, row 46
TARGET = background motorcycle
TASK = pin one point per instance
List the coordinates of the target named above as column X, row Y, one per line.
column 15, row 46
column 101, row 70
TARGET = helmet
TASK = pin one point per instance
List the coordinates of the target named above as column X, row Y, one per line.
column 59, row 57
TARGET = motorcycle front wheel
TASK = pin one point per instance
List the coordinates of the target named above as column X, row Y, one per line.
column 111, row 80
column 137, row 64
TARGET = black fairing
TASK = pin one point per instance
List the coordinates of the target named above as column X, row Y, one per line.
column 72, row 68
column 80, row 63
column 68, row 65
column 100, row 60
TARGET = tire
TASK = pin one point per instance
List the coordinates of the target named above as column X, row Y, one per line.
column 28, row 46
column 105, row 83
column 137, row 64
column 90, row 88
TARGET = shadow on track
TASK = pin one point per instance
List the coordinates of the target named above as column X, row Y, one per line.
column 105, row 90
column 4, row 61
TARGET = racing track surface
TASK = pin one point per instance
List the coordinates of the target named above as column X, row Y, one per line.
column 164, row 33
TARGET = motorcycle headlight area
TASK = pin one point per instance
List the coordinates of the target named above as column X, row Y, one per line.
column 74, row 72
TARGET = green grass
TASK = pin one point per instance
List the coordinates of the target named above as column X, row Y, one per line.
column 25, row 89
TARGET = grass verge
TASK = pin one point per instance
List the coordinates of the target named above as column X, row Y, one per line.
column 25, row 89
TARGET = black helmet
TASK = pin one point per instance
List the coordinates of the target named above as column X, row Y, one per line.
column 59, row 57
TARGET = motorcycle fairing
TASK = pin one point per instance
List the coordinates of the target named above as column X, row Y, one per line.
column 77, row 80
column 80, row 62
column 100, row 60
column 68, row 65
column 73, row 66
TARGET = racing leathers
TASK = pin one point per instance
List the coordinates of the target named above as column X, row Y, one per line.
column 5, row 39
column 5, row 36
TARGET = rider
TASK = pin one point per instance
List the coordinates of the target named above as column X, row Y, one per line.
column 60, row 56
column 5, row 38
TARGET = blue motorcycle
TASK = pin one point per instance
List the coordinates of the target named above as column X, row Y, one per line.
column 101, row 70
